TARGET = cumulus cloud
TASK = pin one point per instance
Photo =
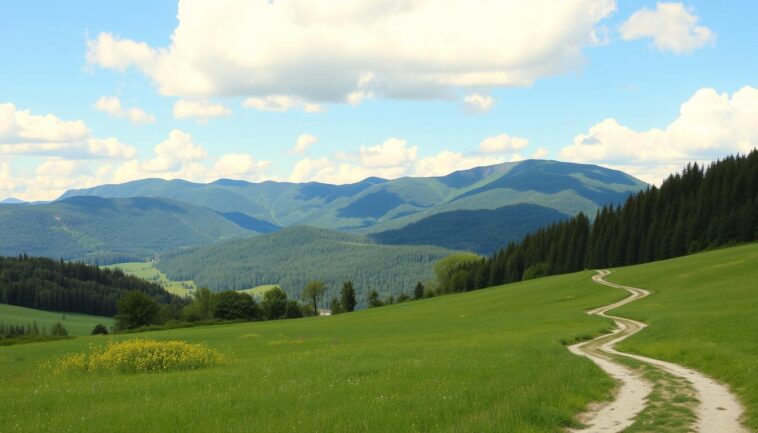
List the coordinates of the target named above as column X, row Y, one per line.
column 710, row 125
column 238, row 166
column 540, row 153
column 478, row 103
column 24, row 133
column 201, row 111
column 176, row 157
column 394, row 158
column 283, row 55
column 113, row 107
column 673, row 27
column 279, row 103
column 502, row 143
column 392, row 153
column 304, row 141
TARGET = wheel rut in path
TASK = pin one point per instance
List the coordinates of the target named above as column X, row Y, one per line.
column 718, row 410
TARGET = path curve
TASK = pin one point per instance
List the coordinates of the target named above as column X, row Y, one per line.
column 718, row 410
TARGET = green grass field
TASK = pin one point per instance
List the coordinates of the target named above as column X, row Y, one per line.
column 487, row 361
column 703, row 313
column 148, row 271
column 76, row 324
column 258, row 292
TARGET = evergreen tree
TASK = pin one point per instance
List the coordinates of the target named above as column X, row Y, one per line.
column 347, row 297
column 418, row 291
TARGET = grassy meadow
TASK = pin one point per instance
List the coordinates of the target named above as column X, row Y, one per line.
column 486, row 361
column 703, row 314
column 148, row 271
column 76, row 324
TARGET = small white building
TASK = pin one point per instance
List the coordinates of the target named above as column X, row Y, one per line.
column 324, row 312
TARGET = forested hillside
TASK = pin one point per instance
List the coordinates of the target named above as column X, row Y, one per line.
column 56, row 285
column 293, row 256
column 481, row 231
column 375, row 204
column 692, row 211
column 108, row 230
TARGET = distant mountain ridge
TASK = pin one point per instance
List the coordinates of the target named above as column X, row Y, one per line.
column 376, row 204
column 108, row 229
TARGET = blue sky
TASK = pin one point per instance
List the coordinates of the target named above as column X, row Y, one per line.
column 615, row 101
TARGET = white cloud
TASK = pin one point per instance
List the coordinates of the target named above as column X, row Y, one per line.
column 392, row 153
column 112, row 106
column 672, row 27
column 395, row 158
column 21, row 126
column 177, row 157
column 710, row 125
column 447, row 162
column 279, row 103
column 478, row 103
column 304, row 141
column 201, row 111
column 540, row 153
column 502, row 143
column 348, row 51
column 238, row 166
column 24, row 133
column 8, row 182
column 173, row 153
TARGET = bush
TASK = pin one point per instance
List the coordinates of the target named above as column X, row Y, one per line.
column 537, row 271
column 140, row 356
column 99, row 329
column 58, row 330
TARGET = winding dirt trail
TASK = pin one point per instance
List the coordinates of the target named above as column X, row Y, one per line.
column 718, row 410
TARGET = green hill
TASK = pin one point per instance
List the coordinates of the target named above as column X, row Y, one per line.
column 492, row 360
column 377, row 204
column 109, row 230
column 293, row 256
column 482, row 231
column 76, row 324
column 703, row 314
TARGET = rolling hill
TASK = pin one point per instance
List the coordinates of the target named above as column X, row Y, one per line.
column 108, row 230
column 482, row 231
column 491, row 360
column 375, row 204
column 295, row 255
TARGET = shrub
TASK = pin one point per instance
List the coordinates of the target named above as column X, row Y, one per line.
column 58, row 330
column 99, row 329
column 140, row 356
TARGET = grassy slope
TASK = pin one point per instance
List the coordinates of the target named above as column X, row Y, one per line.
column 703, row 314
column 148, row 271
column 76, row 324
column 476, row 362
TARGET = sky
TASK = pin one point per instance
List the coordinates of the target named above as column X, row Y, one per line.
column 336, row 91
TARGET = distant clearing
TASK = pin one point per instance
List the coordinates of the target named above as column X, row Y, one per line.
column 76, row 324
column 148, row 271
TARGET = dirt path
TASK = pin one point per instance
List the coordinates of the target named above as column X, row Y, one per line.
column 718, row 410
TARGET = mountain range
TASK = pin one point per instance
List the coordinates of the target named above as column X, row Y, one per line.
column 139, row 219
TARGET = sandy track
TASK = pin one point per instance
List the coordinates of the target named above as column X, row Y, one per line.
column 719, row 411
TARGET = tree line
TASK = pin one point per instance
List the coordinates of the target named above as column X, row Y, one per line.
column 55, row 285
column 697, row 209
